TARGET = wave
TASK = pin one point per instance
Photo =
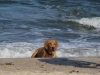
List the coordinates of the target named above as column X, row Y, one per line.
column 94, row 22
column 16, row 50
column 25, row 50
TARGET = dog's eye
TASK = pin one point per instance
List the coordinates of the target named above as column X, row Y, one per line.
column 54, row 44
column 49, row 43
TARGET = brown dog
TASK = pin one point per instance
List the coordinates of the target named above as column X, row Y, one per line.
column 48, row 51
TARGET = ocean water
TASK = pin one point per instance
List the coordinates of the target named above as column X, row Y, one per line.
column 26, row 24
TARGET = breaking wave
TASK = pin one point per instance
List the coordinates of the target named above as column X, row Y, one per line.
column 94, row 22
column 25, row 50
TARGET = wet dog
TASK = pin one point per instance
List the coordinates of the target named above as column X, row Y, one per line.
column 48, row 51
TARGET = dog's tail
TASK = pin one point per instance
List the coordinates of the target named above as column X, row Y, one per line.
column 35, row 54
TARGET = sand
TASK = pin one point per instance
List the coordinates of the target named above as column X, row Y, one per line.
column 49, row 66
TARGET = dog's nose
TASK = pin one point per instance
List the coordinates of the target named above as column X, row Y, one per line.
column 52, row 48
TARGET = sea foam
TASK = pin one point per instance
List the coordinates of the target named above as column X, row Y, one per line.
column 16, row 50
column 25, row 49
column 95, row 21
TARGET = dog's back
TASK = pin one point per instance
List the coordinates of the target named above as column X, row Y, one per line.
column 38, row 53
column 42, row 53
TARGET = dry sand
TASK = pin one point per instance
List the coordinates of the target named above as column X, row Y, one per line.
column 50, row 66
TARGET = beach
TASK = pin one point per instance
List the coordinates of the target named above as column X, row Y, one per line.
column 50, row 66
column 26, row 24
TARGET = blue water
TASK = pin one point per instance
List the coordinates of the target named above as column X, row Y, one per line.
column 26, row 24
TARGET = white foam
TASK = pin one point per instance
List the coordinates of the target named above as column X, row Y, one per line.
column 50, row 30
column 78, row 49
column 34, row 32
column 16, row 50
column 6, row 33
column 95, row 21
column 24, row 26
column 72, row 49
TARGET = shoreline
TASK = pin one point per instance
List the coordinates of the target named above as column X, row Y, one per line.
column 49, row 66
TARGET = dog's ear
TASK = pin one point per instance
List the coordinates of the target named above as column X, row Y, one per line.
column 56, row 44
column 46, row 44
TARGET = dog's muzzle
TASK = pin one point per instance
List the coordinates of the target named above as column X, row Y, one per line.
column 53, row 49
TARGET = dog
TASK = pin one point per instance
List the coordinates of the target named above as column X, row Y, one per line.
column 48, row 51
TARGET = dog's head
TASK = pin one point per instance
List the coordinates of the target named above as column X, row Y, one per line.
column 51, row 46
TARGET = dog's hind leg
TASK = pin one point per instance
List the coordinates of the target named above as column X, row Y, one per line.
column 35, row 54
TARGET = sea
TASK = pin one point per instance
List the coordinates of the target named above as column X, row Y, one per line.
column 26, row 24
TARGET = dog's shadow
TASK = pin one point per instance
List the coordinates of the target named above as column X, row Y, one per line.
column 70, row 62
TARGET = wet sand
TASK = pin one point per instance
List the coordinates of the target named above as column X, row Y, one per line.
column 50, row 66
